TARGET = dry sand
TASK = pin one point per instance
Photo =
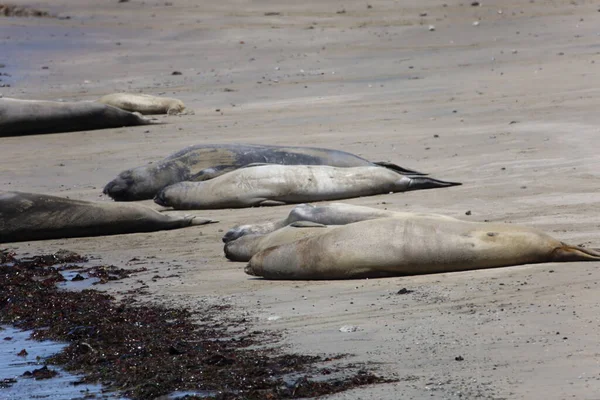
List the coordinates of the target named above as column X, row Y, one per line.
column 508, row 106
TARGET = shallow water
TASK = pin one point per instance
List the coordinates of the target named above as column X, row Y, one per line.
column 12, row 341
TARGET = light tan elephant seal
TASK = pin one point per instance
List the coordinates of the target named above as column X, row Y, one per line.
column 411, row 245
column 284, row 184
column 143, row 103
column 245, row 247
column 325, row 214
column 32, row 117
column 30, row 216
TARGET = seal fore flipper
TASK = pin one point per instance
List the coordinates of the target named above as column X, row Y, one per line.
column 271, row 203
column 212, row 172
column 307, row 224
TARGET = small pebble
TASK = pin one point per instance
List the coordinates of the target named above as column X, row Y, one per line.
column 468, row 212
column 348, row 328
column 431, row 28
column 176, row 73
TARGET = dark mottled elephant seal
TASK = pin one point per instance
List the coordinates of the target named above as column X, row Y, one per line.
column 285, row 184
column 207, row 161
column 31, row 117
column 30, row 216
column 411, row 245
column 143, row 103
column 325, row 214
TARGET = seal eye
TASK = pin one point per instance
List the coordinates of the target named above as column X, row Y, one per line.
column 492, row 234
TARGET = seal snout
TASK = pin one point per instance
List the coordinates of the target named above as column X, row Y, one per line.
column 249, row 270
column 119, row 189
column 227, row 250
column 161, row 199
column 116, row 191
column 231, row 235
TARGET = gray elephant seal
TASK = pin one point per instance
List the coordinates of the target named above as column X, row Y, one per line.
column 411, row 245
column 325, row 214
column 245, row 247
column 143, row 103
column 30, row 117
column 207, row 161
column 29, row 216
column 285, row 184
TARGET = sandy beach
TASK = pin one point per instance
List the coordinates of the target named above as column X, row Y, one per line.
column 500, row 96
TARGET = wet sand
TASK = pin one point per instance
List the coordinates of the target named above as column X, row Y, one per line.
column 507, row 106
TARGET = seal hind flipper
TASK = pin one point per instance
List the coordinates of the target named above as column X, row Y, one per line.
column 420, row 182
column 567, row 253
column 203, row 221
column 211, row 172
column 397, row 168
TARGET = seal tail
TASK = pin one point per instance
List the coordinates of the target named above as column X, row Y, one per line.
column 397, row 168
column 420, row 182
column 567, row 253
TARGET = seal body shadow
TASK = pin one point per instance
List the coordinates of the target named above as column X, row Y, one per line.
column 30, row 117
column 411, row 245
column 30, row 216
column 208, row 161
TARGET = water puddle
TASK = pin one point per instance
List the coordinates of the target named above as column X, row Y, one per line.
column 77, row 279
column 20, row 371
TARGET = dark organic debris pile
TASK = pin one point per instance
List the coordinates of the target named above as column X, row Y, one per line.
column 104, row 273
column 146, row 351
column 12, row 10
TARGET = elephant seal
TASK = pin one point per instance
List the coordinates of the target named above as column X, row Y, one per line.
column 284, row 184
column 143, row 103
column 31, row 216
column 30, row 117
column 245, row 247
column 411, row 245
column 207, row 161
column 325, row 214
